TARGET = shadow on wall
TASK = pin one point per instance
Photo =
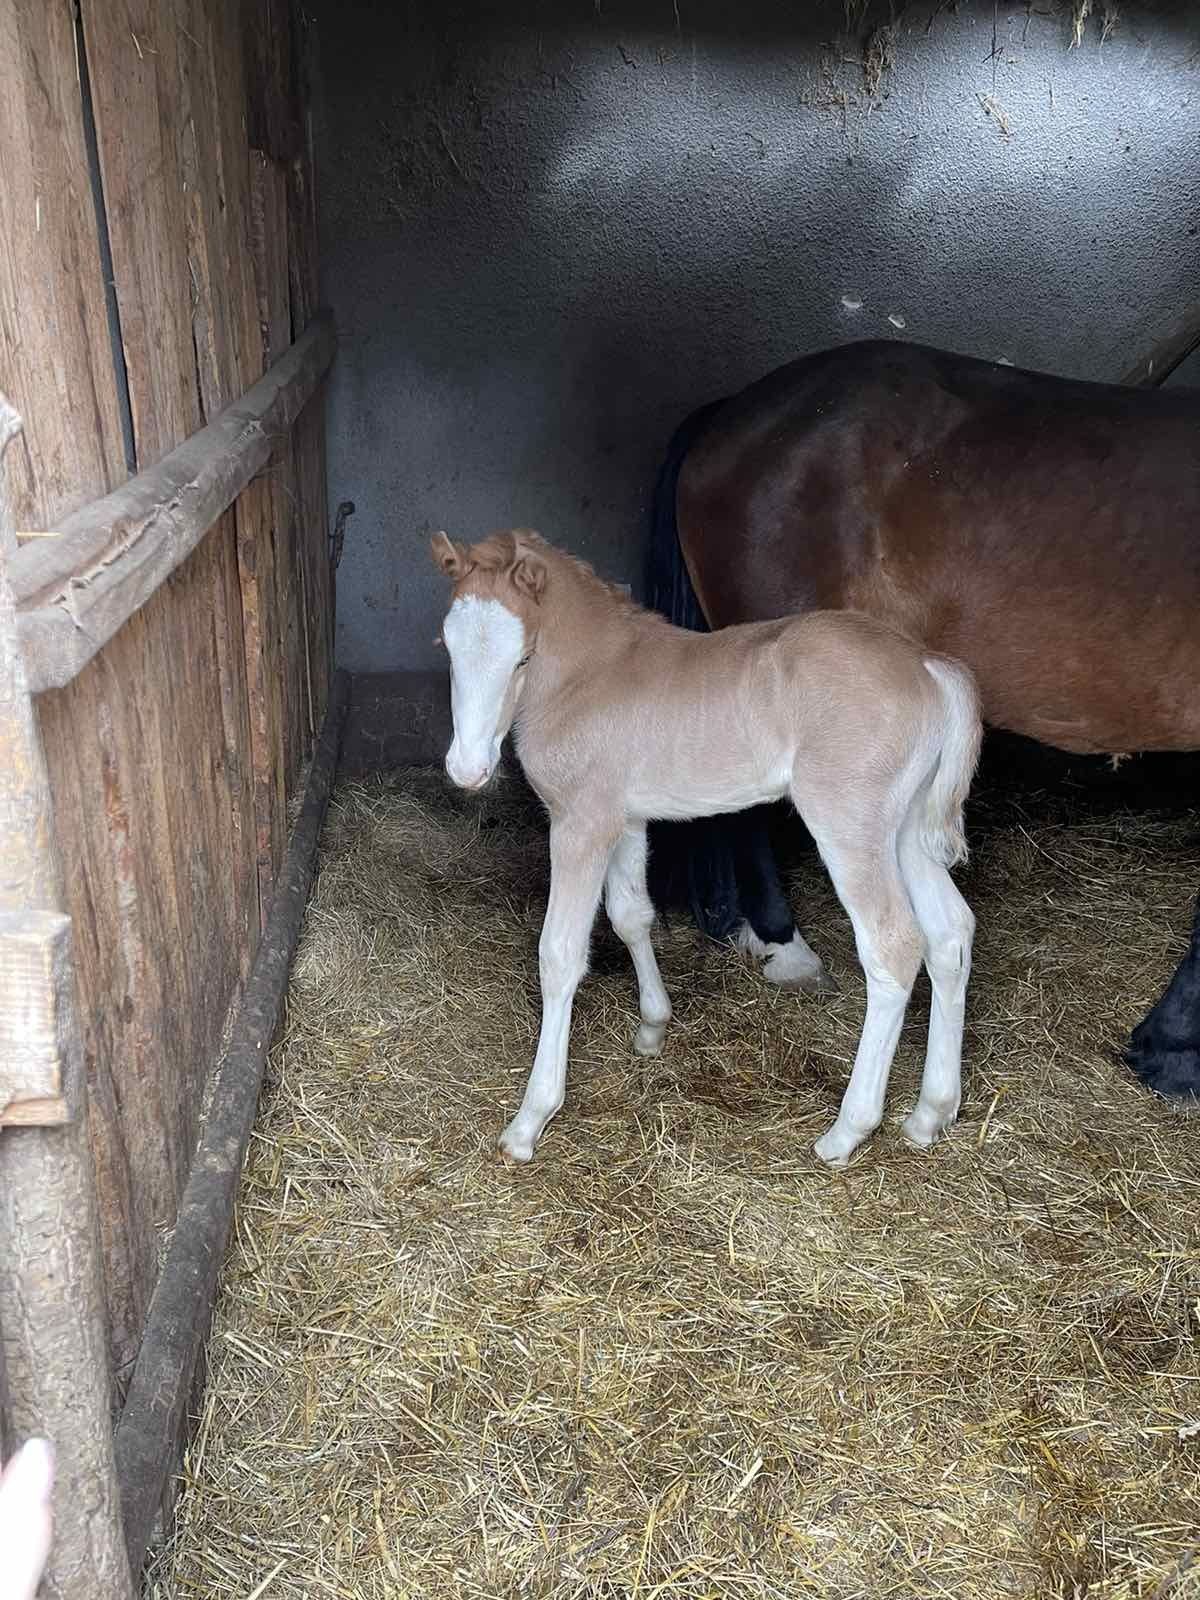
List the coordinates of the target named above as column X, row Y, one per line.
column 548, row 240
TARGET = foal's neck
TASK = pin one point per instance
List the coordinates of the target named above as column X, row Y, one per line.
column 583, row 619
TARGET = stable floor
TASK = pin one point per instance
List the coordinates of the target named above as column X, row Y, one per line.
column 676, row 1357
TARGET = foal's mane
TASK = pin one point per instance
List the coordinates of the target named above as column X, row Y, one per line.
column 500, row 553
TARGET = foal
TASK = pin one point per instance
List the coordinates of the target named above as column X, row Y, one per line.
column 621, row 717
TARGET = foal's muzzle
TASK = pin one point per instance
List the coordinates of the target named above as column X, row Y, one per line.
column 469, row 772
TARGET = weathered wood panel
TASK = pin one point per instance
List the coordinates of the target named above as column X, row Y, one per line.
column 148, row 758
column 274, row 113
column 302, row 197
column 215, row 34
column 52, row 1304
column 231, row 656
column 77, row 589
column 37, row 1001
column 210, row 78
column 163, row 870
column 260, row 613
column 173, row 754
column 290, row 599
column 267, row 530
column 269, row 250
column 98, row 750
column 55, row 356
column 134, row 50
column 309, row 434
column 312, row 500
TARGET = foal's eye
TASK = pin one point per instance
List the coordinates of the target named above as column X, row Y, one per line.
column 524, row 661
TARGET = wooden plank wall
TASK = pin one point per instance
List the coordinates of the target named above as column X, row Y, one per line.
column 175, row 753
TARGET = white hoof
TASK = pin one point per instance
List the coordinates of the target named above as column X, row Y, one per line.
column 648, row 1040
column 923, row 1127
column 515, row 1149
column 786, row 972
column 836, row 1147
column 794, row 965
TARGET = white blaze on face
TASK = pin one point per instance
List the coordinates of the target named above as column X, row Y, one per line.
column 485, row 641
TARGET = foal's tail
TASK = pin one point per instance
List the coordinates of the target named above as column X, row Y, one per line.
column 942, row 833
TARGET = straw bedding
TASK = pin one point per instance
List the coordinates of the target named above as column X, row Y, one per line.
column 675, row 1357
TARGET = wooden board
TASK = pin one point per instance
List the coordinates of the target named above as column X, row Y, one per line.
column 260, row 614
column 302, row 197
column 150, row 748
column 174, row 752
column 56, row 363
column 291, row 601
column 151, row 782
column 268, row 528
column 77, row 588
column 37, row 1004
column 274, row 122
column 225, row 19
column 134, row 49
column 222, row 350
column 311, row 494
column 269, row 251
column 309, row 433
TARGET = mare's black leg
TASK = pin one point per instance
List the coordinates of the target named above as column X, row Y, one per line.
column 1164, row 1049
column 692, row 864
column 764, row 901
column 770, row 930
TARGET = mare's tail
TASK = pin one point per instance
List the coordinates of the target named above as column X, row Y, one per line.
column 667, row 583
column 942, row 833
column 692, row 862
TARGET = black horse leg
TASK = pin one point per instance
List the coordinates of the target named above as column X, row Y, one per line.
column 1164, row 1049
column 769, row 930
column 691, row 864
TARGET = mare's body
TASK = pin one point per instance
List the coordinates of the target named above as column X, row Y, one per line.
column 1044, row 531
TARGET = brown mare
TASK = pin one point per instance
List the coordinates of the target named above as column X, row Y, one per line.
column 1044, row 531
column 620, row 718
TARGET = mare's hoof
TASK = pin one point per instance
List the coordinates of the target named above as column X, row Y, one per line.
column 1172, row 1073
column 818, row 982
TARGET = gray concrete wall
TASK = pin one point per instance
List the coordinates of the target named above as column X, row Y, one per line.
column 551, row 230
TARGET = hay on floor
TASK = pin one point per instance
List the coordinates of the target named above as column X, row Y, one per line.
column 675, row 1357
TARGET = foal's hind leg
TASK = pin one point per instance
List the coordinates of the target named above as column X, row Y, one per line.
column 631, row 912
column 948, row 927
column 866, row 875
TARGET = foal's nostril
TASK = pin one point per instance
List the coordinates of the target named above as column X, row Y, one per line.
column 466, row 777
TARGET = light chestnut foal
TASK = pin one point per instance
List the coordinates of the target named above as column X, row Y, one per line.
column 621, row 718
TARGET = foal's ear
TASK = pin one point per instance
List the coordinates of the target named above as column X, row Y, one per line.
column 529, row 574
column 450, row 557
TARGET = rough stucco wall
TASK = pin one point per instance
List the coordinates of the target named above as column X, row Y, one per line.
column 550, row 231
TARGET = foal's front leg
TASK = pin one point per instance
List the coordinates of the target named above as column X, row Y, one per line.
column 578, row 862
